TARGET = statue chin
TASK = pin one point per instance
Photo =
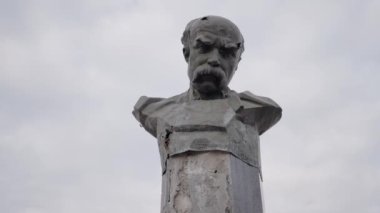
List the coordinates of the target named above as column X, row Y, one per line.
column 208, row 90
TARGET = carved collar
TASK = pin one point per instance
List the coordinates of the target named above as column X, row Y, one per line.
column 192, row 94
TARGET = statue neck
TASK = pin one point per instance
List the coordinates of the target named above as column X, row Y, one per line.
column 196, row 95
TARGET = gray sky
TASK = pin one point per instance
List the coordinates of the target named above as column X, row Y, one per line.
column 71, row 71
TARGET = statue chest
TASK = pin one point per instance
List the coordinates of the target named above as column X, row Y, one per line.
column 206, row 126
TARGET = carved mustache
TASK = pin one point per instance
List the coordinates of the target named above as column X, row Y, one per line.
column 206, row 70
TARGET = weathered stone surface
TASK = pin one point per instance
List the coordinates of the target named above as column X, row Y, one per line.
column 208, row 137
column 211, row 182
column 232, row 124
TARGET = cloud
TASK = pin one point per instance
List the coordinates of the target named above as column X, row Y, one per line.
column 71, row 72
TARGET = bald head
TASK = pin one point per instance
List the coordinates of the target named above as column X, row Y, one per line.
column 216, row 25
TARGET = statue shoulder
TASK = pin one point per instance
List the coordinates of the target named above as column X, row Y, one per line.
column 250, row 100
column 142, row 104
column 148, row 109
column 260, row 111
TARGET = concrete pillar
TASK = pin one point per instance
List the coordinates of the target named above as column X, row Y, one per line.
column 210, row 182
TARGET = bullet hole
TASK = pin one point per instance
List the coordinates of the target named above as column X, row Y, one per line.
column 167, row 135
column 216, row 171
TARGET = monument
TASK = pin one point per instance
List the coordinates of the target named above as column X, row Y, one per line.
column 208, row 136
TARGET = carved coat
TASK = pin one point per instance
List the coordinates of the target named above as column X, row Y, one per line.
column 233, row 124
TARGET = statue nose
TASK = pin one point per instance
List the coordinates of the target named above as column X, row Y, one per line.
column 213, row 59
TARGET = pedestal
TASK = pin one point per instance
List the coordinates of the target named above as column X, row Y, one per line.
column 210, row 182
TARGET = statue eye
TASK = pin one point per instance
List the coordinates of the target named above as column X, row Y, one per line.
column 227, row 52
column 204, row 47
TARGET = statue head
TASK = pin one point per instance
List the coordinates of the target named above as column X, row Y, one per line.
column 212, row 47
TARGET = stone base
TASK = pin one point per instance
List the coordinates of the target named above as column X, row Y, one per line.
column 210, row 182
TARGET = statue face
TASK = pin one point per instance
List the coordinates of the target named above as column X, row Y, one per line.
column 213, row 59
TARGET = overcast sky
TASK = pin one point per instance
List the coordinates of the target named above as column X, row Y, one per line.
column 71, row 71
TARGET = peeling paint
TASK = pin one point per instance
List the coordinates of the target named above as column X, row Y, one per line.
column 182, row 199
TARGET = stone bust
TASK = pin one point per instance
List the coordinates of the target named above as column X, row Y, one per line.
column 212, row 47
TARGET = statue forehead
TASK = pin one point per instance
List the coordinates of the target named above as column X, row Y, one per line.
column 215, row 25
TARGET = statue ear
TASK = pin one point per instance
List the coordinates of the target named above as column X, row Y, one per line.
column 186, row 53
